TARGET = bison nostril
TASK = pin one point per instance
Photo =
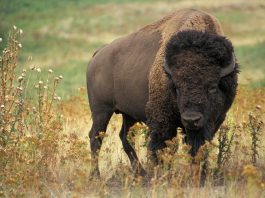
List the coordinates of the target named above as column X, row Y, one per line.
column 192, row 119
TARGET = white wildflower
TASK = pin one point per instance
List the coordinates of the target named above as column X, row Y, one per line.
column 6, row 98
column 19, row 88
column 20, row 78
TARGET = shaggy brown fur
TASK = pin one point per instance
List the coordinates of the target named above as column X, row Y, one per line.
column 194, row 60
column 180, row 21
column 128, row 76
column 158, row 108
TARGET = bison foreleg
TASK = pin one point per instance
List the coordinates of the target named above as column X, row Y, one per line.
column 157, row 141
column 155, row 144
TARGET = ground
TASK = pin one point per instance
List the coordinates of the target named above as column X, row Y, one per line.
column 62, row 36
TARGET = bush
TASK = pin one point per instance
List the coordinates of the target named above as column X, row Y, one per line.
column 29, row 123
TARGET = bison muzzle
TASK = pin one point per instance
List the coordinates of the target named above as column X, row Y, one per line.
column 177, row 72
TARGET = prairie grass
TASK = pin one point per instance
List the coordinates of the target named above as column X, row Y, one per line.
column 44, row 149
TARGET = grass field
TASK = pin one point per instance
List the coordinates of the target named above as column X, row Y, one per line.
column 48, row 156
column 63, row 35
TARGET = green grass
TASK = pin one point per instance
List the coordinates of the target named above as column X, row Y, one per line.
column 232, row 16
column 251, row 59
column 252, row 56
column 64, row 34
column 73, row 78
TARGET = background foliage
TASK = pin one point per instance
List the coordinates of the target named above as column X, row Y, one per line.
column 64, row 34
column 45, row 118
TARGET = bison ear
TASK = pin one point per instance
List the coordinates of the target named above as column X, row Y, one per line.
column 166, row 68
column 230, row 68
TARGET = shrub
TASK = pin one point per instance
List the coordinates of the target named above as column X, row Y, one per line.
column 29, row 123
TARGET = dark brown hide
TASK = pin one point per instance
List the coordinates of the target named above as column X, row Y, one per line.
column 128, row 77
column 111, row 87
column 110, row 78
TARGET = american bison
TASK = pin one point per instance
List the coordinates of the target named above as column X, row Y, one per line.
column 177, row 72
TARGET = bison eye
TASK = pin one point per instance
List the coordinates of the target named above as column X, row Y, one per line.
column 212, row 89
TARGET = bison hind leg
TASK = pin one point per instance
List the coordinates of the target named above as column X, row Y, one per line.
column 136, row 165
column 100, row 122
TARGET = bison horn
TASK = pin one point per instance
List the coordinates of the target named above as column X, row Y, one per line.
column 227, row 70
column 167, row 70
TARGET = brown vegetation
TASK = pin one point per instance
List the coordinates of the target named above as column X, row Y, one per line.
column 43, row 151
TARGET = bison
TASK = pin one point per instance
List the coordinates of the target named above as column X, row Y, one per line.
column 177, row 72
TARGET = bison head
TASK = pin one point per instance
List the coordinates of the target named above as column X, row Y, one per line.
column 202, row 77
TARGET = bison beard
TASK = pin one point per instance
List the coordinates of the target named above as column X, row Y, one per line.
column 195, row 139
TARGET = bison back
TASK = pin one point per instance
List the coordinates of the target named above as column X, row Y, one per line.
column 117, row 75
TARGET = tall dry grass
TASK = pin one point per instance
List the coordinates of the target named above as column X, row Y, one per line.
column 44, row 146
